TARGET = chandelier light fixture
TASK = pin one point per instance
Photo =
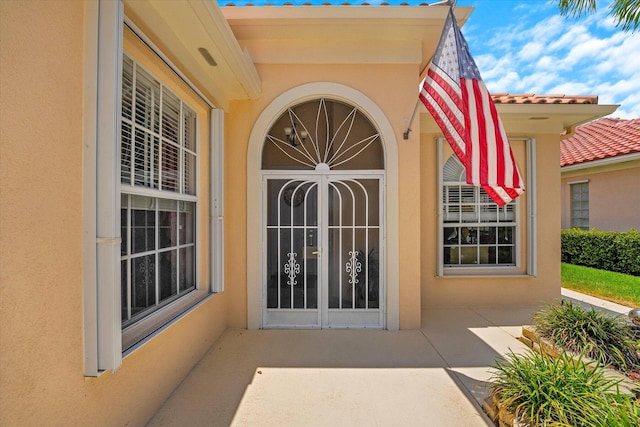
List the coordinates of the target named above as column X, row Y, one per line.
column 291, row 134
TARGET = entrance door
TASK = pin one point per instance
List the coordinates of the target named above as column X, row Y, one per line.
column 323, row 250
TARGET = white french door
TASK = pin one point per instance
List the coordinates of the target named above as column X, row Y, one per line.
column 323, row 251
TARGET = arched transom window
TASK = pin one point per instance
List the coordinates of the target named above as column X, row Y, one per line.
column 323, row 134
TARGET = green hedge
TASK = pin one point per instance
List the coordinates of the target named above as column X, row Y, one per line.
column 605, row 250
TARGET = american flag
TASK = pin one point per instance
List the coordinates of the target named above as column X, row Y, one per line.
column 457, row 98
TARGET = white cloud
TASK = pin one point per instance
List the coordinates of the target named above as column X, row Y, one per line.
column 620, row 87
column 620, row 55
column 629, row 106
column 572, row 88
column 538, row 82
column 585, row 49
column 505, row 84
column 539, row 51
column 530, row 51
column 574, row 36
column 608, row 23
column 547, row 29
column 494, row 68
column 545, row 62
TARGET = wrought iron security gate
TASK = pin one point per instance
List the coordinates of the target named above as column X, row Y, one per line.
column 324, row 253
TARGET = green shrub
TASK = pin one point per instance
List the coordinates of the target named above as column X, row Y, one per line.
column 561, row 392
column 592, row 333
column 605, row 250
column 628, row 251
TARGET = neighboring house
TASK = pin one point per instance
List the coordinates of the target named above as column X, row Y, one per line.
column 171, row 169
column 600, row 170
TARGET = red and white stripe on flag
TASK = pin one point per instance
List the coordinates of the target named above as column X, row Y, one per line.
column 489, row 161
column 457, row 98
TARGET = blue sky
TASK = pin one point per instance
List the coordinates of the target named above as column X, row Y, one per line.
column 527, row 47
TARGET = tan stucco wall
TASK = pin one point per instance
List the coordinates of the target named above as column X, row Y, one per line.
column 517, row 289
column 41, row 244
column 41, row 226
column 396, row 99
column 237, row 128
column 614, row 199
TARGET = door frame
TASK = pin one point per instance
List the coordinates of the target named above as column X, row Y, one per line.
column 325, row 317
column 254, row 199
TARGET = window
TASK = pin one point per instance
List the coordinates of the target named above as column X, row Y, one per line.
column 580, row 205
column 476, row 231
column 153, row 236
column 158, row 195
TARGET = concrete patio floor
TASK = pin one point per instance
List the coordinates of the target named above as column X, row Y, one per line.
column 435, row 376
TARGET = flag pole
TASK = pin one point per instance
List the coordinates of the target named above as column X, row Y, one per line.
column 405, row 134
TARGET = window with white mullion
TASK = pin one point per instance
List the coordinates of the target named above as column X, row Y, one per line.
column 112, row 326
column 476, row 231
column 160, row 268
column 159, row 216
column 158, row 148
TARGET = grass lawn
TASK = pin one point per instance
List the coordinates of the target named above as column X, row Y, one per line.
column 620, row 288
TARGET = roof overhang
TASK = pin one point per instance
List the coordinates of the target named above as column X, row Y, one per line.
column 340, row 34
column 560, row 119
column 181, row 28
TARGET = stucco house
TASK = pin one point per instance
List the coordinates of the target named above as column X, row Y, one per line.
column 171, row 169
column 600, row 169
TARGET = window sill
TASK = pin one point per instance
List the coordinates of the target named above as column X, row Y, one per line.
column 135, row 336
column 494, row 274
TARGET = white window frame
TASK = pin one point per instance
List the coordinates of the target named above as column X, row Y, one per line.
column 531, row 218
column 134, row 333
column 103, row 335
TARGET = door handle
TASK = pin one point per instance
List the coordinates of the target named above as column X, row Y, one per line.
column 313, row 253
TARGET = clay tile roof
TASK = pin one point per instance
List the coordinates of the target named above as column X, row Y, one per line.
column 530, row 98
column 601, row 139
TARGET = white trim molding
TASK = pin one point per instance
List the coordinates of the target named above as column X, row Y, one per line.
column 532, row 208
column 89, row 190
column 216, row 197
column 602, row 162
column 102, row 325
column 110, row 47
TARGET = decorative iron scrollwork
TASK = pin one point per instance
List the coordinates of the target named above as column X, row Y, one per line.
column 292, row 268
column 353, row 267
